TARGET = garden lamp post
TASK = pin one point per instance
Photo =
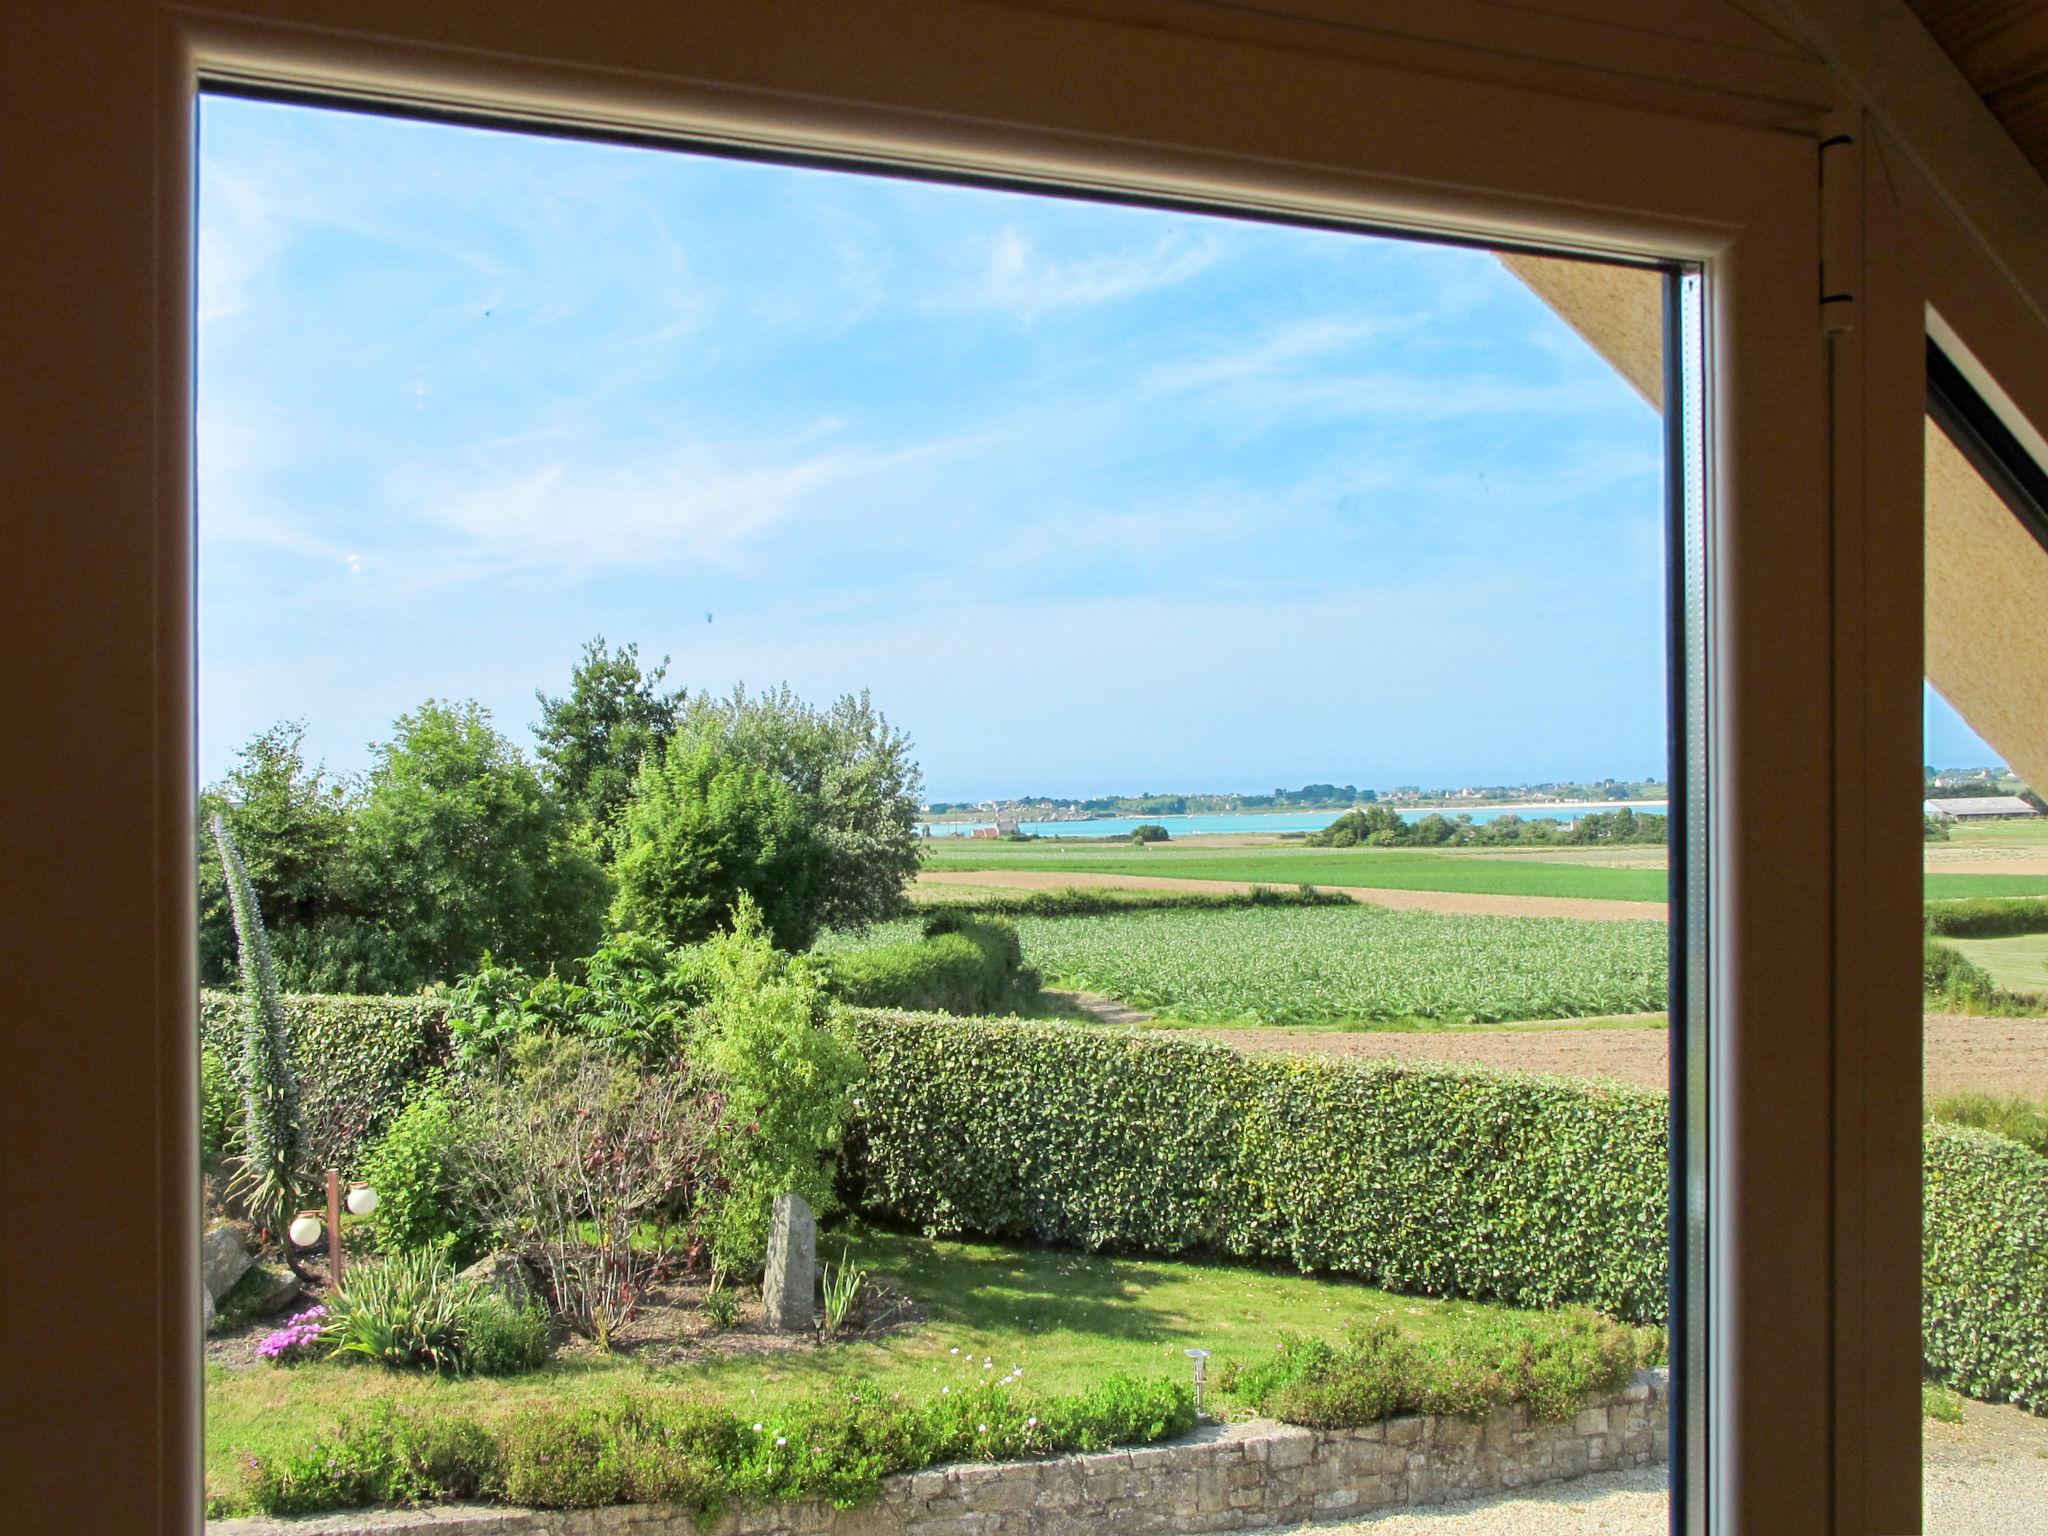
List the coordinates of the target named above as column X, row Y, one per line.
column 1200, row 1357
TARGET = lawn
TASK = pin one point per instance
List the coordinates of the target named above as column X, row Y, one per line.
column 1402, row 869
column 1956, row 887
column 1068, row 1318
column 2018, row 963
column 1336, row 965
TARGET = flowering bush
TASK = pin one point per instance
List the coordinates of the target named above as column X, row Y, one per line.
column 299, row 1339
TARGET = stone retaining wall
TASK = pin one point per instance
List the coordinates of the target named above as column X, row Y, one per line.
column 1237, row 1477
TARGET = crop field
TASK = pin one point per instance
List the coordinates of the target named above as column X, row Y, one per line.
column 1331, row 965
column 2018, row 963
column 1399, row 869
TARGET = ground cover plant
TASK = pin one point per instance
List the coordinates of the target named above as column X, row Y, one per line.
column 1314, row 965
column 1552, row 1362
column 1503, row 874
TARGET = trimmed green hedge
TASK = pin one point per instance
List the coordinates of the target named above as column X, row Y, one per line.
column 1530, row 1190
column 1985, row 1266
column 962, row 964
column 355, row 1058
column 1087, row 901
column 1987, row 917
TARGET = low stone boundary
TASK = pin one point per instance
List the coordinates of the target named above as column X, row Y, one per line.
column 1237, row 1477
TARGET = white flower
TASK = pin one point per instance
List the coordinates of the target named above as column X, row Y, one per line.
column 757, row 1429
column 984, row 1429
column 1031, row 1423
column 945, row 1391
column 782, row 1439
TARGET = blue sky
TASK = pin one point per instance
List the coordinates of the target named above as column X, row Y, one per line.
column 1092, row 498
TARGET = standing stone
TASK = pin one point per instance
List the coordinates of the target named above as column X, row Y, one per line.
column 792, row 1277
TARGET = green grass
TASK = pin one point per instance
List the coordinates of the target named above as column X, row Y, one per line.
column 2017, row 964
column 1346, row 965
column 2017, row 1119
column 1377, row 869
column 1069, row 1319
column 1958, row 887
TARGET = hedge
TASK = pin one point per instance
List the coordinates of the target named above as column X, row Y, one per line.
column 355, row 1058
column 1984, row 1262
column 1084, row 901
column 1445, row 1181
column 1987, row 917
column 962, row 964
column 1529, row 1190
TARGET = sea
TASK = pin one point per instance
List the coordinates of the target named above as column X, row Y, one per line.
column 1270, row 823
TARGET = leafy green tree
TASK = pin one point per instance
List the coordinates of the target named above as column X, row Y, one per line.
column 594, row 738
column 854, row 779
column 707, row 827
column 290, row 821
column 459, row 849
column 787, row 1070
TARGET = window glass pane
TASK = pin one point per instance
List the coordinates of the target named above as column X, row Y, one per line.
column 933, row 825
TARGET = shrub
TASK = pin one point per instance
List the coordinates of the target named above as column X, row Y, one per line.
column 1987, row 917
column 2016, row 1119
column 1984, row 1260
column 1551, row 1363
column 1535, row 1191
column 500, row 1338
column 406, row 1312
column 381, row 1455
column 416, row 1167
column 962, row 965
column 570, row 1153
column 1958, row 985
column 357, row 1058
column 698, row 1457
column 1150, row 832
column 786, row 1068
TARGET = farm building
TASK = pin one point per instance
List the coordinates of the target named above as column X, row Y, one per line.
column 1981, row 808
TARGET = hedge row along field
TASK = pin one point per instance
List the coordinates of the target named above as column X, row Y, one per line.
column 1443, row 1181
column 1308, row 965
column 1495, row 1186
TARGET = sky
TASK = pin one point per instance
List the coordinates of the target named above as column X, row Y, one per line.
column 1092, row 499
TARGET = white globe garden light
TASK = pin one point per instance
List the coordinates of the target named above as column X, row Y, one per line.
column 362, row 1199
column 306, row 1228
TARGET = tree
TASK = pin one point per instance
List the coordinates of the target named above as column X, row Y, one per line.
column 854, row 779
column 291, row 823
column 594, row 738
column 459, row 849
column 707, row 827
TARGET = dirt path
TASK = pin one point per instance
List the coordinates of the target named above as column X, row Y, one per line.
column 1994, row 1055
column 1462, row 903
column 1103, row 1010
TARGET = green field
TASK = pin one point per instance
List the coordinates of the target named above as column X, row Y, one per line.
column 1398, row 869
column 2018, row 963
column 1351, row 964
column 1955, row 887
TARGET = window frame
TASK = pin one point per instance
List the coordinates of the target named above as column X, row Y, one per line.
column 1069, row 103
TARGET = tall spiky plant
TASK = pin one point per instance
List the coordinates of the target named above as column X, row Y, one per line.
column 270, row 1174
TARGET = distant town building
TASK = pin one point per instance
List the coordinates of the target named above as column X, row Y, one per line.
column 1981, row 808
column 1006, row 826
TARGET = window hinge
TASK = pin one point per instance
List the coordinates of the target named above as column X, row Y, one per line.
column 1841, row 194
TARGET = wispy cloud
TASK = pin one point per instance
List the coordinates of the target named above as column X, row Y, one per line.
column 1015, row 277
